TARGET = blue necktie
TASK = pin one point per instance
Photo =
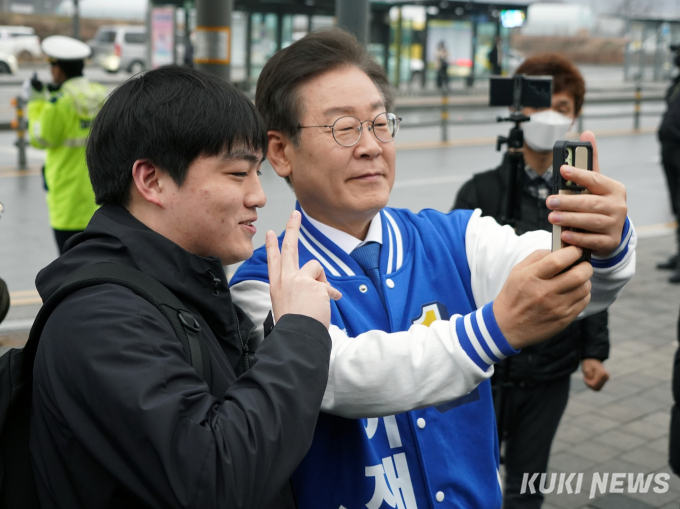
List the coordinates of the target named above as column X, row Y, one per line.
column 368, row 258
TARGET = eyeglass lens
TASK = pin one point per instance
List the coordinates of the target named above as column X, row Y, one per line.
column 347, row 130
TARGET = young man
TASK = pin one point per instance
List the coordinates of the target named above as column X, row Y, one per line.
column 483, row 291
column 534, row 392
column 120, row 418
column 59, row 117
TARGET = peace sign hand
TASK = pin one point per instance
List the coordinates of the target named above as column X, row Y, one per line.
column 295, row 290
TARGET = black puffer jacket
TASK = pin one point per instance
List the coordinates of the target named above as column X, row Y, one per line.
column 674, row 436
column 583, row 339
column 121, row 419
column 669, row 130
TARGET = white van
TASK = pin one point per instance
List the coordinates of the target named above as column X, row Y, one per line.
column 125, row 45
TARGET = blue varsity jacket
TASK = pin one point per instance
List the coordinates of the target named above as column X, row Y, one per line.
column 438, row 457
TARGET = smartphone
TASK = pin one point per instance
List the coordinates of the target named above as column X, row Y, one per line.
column 578, row 154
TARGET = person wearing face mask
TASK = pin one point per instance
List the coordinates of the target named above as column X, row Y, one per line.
column 533, row 387
column 669, row 137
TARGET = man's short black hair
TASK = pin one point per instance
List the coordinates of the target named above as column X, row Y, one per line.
column 71, row 68
column 170, row 117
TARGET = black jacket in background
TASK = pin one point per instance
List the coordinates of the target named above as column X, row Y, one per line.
column 669, row 130
column 674, row 435
column 582, row 339
column 121, row 419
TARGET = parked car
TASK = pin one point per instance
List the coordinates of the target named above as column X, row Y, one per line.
column 8, row 63
column 116, row 47
column 20, row 41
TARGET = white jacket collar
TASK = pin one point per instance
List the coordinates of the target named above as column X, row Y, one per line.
column 345, row 241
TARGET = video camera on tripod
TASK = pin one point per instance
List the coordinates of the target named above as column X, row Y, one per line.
column 517, row 92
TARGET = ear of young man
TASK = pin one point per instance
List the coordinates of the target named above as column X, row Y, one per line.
column 148, row 182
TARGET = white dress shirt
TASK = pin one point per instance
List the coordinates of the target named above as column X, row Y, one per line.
column 345, row 241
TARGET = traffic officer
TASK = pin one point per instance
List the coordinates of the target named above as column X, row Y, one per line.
column 59, row 117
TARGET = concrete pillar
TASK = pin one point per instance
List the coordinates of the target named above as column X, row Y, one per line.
column 212, row 53
column 279, row 31
column 249, row 47
column 354, row 16
column 397, row 44
column 76, row 20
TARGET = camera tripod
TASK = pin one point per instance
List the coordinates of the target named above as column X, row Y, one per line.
column 510, row 216
column 515, row 142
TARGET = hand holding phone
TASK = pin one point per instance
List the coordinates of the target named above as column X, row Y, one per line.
column 594, row 220
column 578, row 154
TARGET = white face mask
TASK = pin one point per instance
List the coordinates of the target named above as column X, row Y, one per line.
column 544, row 129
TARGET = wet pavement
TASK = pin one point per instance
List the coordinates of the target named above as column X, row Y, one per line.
column 624, row 427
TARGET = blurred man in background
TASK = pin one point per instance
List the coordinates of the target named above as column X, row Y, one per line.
column 442, row 66
column 59, row 117
column 531, row 390
column 494, row 56
column 669, row 137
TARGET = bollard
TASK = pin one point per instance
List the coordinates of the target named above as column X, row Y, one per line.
column 445, row 115
column 20, row 125
column 636, row 111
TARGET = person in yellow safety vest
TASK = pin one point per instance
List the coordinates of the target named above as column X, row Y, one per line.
column 59, row 117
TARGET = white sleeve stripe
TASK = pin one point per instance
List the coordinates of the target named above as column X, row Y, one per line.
column 316, row 254
column 629, row 234
column 337, row 260
column 487, row 337
column 390, row 255
column 397, row 234
column 615, row 262
column 623, row 245
column 475, row 342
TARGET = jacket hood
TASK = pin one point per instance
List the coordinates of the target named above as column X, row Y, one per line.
column 87, row 96
column 114, row 235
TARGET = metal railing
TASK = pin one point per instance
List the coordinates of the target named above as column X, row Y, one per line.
column 445, row 108
column 20, row 123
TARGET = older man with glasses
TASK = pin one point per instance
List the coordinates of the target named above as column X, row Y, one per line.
column 436, row 298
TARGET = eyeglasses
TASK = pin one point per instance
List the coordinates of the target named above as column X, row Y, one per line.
column 347, row 130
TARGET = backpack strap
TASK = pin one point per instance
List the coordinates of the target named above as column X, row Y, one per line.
column 186, row 327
